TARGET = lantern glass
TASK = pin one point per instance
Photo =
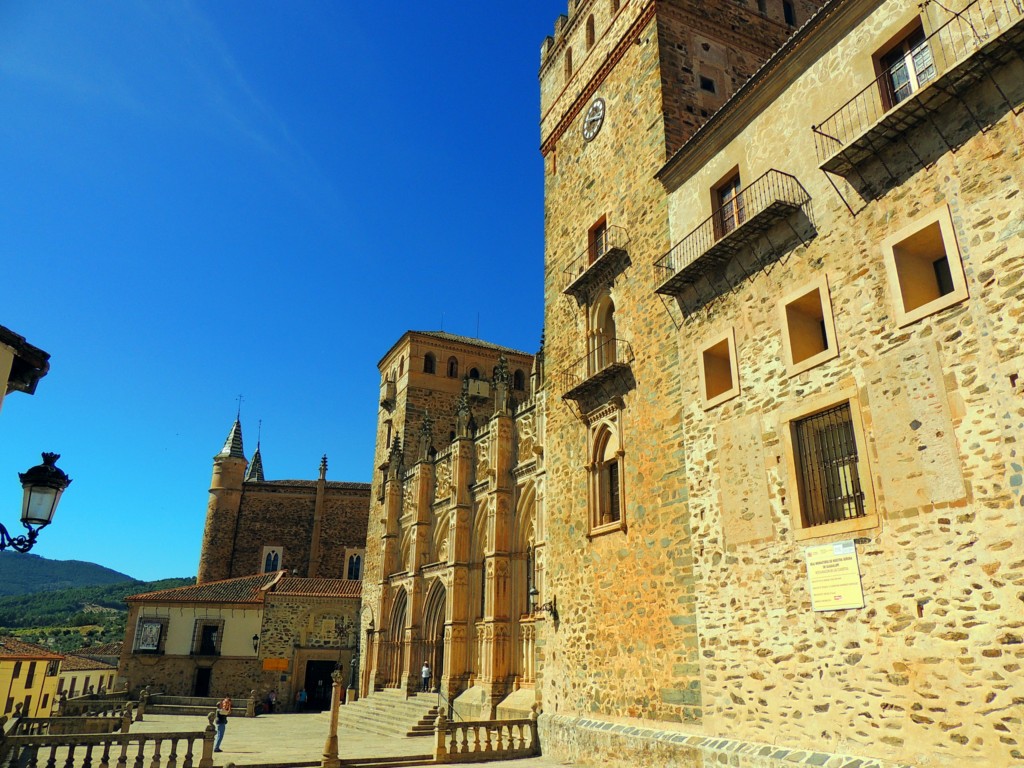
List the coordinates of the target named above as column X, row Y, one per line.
column 39, row 504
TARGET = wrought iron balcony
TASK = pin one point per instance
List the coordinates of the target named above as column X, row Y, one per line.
column 772, row 198
column 599, row 376
column 944, row 66
column 603, row 258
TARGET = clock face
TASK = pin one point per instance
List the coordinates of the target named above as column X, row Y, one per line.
column 594, row 119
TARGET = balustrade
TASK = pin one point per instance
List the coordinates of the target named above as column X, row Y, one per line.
column 481, row 740
column 152, row 750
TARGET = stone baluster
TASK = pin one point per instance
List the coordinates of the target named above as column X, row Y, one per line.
column 440, row 732
column 206, row 761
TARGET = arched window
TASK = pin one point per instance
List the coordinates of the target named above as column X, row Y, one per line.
column 519, row 380
column 453, row 368
column 568, row 63
column 789, row 13
column 615, row 6
column 355, row 564
column 401, row 365
column 429, row 363
column 607, row 471
column 590, row 32
column 474, row 373
column 602, row 334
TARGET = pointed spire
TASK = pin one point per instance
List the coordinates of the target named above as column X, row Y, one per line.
column 233, row 445
column 254, row 474
column 323, row 467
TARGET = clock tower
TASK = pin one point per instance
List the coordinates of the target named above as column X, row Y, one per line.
column 624, row 83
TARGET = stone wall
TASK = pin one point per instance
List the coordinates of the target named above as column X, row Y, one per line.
column 282, row 514
column 300, row 628
column 627, row 744
column 175, row 676
column 632, row 664
column 928, row 671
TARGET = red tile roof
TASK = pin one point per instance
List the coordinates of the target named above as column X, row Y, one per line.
column 13, row 648
column 319, row 587
column 74, row 663
column 244, row 589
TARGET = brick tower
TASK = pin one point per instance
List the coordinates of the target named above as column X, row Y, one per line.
column 222, row 509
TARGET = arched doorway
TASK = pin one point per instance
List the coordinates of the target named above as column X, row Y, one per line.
column 396, row 641
column 433, row 631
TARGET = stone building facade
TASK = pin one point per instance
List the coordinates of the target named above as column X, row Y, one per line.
column 794, row 380
column 263, row 632
column 614, row 107
column 454, row 548
column 313, row 528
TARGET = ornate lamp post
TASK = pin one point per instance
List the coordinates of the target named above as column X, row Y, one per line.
column 43, row 486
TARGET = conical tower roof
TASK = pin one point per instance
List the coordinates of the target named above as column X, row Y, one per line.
column 254, row 474
column 233, row 445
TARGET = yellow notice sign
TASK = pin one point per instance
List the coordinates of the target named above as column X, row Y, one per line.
column 834, row 577
column 275, row 665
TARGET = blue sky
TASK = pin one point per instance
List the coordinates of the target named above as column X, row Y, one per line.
column 203, row 200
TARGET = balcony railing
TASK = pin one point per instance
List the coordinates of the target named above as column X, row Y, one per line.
column 947, row 62
column 603, row 255
column 594, row 371
column 773, row 197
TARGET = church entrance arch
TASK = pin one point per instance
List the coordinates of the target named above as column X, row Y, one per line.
column 433, row 630
column 396, row 640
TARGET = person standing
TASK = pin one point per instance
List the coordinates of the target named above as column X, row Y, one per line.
column 301, row 699
column 425, row 676
column 223, row 710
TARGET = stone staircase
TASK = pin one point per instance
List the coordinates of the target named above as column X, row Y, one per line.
column 389, row 713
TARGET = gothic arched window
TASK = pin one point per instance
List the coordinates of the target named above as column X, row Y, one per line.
column 453, row 368
column 519, row 380
column 355, row 563
column 429, row 363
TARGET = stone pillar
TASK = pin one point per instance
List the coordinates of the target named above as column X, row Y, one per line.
column 330, row 759
column 498, row 608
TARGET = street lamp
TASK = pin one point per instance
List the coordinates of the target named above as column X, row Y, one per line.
column 550, row 607
column 43, row 486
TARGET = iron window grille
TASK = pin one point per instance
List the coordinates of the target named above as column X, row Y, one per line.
column 827, row 467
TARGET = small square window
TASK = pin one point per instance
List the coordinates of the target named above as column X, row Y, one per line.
column 207, row 637
column 717, row 369
column 924, row 267
column 707, row 84
column 808, row 329
column 829, row 479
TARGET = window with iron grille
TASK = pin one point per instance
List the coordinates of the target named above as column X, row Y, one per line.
column 827, row 470
column 207, row 637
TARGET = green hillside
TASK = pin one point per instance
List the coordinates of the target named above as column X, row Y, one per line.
column 25, row 574
column 70, row 619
